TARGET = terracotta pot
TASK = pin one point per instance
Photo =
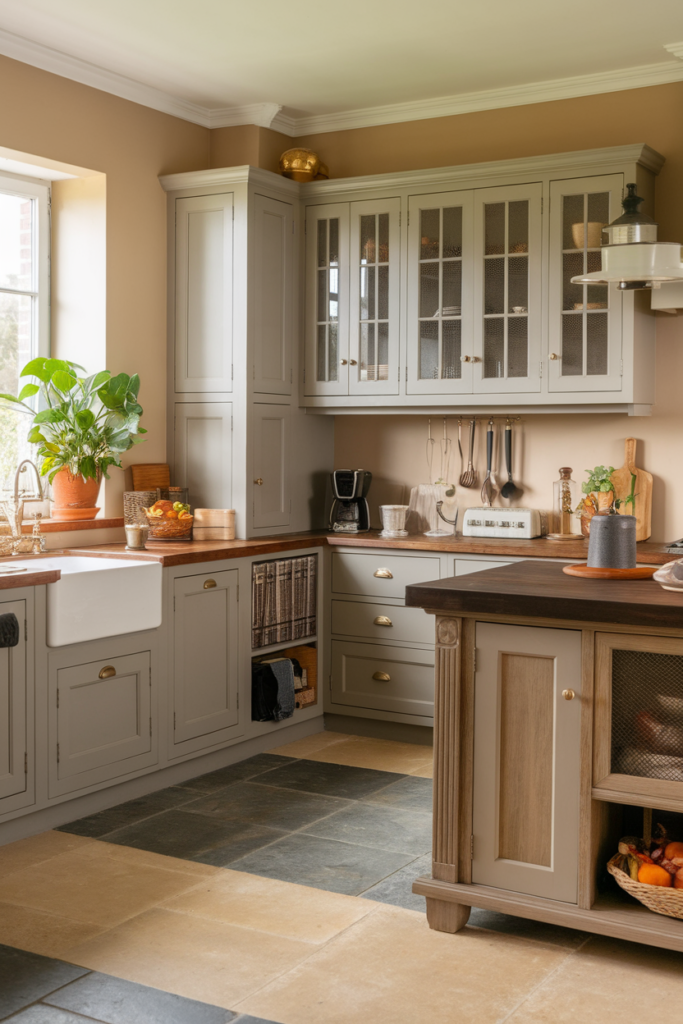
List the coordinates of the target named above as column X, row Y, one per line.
column 74, row 497
column 600, row 503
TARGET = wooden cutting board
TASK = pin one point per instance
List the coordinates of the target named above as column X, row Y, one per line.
column 148, row 476
column 621, row 479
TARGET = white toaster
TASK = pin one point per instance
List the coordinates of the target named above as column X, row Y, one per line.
column 520, row 523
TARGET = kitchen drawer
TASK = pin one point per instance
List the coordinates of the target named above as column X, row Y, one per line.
column 399, row 679
column 358, row 573
column 409, row 625
column 463, row 566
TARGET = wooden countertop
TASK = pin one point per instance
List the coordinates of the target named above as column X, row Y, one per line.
column 28, row 578
column 542, row 590
column 171, row 553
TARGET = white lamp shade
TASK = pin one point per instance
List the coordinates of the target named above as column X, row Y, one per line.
column 640, row 261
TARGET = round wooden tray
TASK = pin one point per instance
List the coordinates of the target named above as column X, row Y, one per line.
column 641, row 572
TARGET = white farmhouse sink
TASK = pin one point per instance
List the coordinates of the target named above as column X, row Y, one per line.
column 98, row 597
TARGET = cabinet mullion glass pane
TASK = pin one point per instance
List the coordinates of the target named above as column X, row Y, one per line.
column 585, row 334
column 373, row 310
column 327, row 300
column 494, row 347
column 440, row 294
column 429, row 350
column 451, row 367
column 596, row 344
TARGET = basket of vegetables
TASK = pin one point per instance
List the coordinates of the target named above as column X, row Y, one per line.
column 652, row 872
column 169, row 520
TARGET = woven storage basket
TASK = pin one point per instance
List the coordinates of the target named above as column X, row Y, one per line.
column 133, row 504
column 655, row 897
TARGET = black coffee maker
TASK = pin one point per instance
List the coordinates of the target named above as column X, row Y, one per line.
column 350, row 512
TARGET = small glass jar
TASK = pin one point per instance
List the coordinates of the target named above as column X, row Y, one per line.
column 564, row 503
column 136, row 535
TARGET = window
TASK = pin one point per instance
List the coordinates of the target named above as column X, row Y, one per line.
column 24, row 302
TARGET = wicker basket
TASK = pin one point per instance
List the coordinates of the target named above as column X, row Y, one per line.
column 655, row 897
column 169, row 529
column 134, row 503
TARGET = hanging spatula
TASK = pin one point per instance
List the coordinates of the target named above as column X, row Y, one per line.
column 487, row 488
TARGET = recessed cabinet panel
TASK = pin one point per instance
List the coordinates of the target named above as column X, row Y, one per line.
column 272, row 293
column 585, row 320
column 203, row 452
column 397, row 679
column 527, row 760
column 205, row 658
column 440, row 274
column 203, row 298
column 327, row 300
column 271, row 504
column 13, row 696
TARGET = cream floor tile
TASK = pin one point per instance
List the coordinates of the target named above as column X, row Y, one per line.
column 383, row 755
column 607, row 981
column 425, row 771
column 99, row 884
column 309, row 744
column 207, row 960
column 391, row 967
column 42, row 933
column 36, row 849
column 268, row 905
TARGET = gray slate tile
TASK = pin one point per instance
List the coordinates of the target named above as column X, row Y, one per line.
column 177, row 833
column 322, row 863
column 238, row 772
column 410, row 793
column 245, row 838
column 382, row 828
column 264, row 805
column 115, row 1001
column 397, row 889
column 99, row 824
column 568, row 938
column 331, row 779
column 39, row 1013
column 27, row 977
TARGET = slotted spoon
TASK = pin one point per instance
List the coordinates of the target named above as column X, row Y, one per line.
column 469, row 477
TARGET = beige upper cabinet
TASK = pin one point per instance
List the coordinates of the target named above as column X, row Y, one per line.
column 203, row 293
column 272, row 293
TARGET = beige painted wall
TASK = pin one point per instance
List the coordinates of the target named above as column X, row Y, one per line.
column 56, row 119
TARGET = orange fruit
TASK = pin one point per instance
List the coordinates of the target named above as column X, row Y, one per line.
column 652, row 874
column 171, row 515
column 673, row 850
column 678, row 879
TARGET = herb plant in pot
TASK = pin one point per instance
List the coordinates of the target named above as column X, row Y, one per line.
column 598, row 495
column 83, row 427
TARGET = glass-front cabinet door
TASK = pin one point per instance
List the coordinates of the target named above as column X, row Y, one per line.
column 584, row 336
column 327, row 300
column 440, row 294
column 374, row 297
column 507, row 289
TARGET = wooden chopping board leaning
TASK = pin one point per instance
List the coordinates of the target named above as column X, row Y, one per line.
column 641, row 487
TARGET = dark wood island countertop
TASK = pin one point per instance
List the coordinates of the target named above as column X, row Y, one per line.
column 542, row 590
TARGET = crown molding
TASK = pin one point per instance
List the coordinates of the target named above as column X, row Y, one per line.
column 230, row 176
column 272, row 115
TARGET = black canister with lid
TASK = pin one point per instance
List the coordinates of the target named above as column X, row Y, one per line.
column 612, row 542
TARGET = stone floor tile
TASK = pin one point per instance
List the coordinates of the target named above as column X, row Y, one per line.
column 410, row 793
column 397, row 889
column 323, row 863
column 310, row 776
column 269, row 905
column 610, row 981
column 39, row 1013
column 201, row 959
column 238, row 772
column 26, row 977
column 381, row 755
column 102, row 822
column 309, row 744
column 523, row 928
column 391, row 967
column 425, row 771
column 264, row 805
column 244, row 839
column 177, row 833
column 115, row 1001
column 37, row 849
column 380, row 827
column 47, row 934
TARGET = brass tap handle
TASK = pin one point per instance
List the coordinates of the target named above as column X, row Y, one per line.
column 382, row 620
column 381, row 677
column 383, row 574
column 568, row 694
column 209, row 584
column 107, row 672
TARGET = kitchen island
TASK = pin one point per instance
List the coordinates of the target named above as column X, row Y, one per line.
column 553, row 697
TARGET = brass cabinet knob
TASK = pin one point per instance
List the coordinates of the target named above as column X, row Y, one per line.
column 343, row 362
column 209, row 584
column 381, row 677
column 383, row 620
column 107, row 672
column 383, row 574
column 553, row 355
column 465, row 359
column 259, row 481
column 352, row 362
column 568, row 694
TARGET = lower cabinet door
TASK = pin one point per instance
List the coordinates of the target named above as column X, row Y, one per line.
column 399, row 679
column 13, row 775
column 103, row 721
column 527, row 760
column 205, row 659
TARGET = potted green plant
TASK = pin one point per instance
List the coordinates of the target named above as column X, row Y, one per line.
column 83, row 426
column 598, row 495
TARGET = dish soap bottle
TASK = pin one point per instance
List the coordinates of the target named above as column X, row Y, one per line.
column 564, row 499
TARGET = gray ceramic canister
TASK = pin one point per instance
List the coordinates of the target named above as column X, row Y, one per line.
column 612, row 542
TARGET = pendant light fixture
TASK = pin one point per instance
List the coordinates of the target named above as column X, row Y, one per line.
column 632, row 257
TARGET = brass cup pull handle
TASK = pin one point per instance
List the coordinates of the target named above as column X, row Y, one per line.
column 343, row 362
column 107, row 672
column 209, row 584
column 382, row 620
column 568, row 694
column 383, row 574
column 553, row 355
column 352, row 362
column 259, row 481
column 381, row 677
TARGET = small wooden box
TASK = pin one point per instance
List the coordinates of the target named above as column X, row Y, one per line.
column 213, row 532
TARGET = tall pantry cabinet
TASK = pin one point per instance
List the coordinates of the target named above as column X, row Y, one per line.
column 237, row 437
